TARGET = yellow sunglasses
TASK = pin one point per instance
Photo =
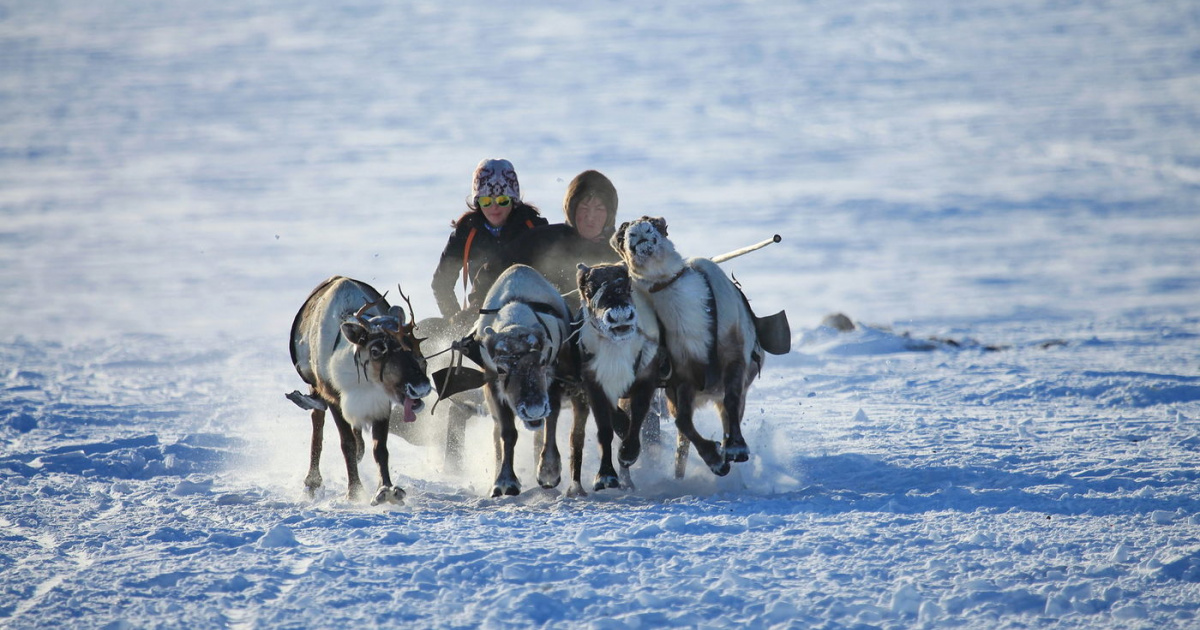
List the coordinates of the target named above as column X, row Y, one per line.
column 502, row 201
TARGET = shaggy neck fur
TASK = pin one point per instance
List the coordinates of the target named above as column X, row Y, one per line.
column 615, row 363
column 679, row 303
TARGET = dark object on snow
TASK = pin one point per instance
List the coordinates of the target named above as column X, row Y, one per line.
column 838, row 322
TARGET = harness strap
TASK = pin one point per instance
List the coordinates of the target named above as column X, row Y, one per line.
column 466, row 262
column 536, row 307
column 659, row 286
column 712, row 374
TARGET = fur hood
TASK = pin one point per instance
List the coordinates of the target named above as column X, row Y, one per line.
column 589, row 184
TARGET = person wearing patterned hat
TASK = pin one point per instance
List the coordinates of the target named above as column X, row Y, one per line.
column 590, row 207
column 477, row 250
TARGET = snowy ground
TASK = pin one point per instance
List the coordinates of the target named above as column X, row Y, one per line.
column 1002, row 193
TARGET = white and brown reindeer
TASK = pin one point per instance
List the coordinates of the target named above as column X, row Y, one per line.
column 359, row 357
column 709, row 332
column 619, row 358
column 522, row 341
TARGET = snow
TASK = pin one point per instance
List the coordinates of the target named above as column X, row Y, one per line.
column 1000, row 194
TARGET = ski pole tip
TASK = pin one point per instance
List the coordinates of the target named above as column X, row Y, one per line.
column 776, row 238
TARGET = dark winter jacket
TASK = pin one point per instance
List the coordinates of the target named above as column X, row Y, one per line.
column 488, row 255
column 555, row 250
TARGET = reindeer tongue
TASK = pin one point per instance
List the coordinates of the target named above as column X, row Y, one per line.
column 409, row 416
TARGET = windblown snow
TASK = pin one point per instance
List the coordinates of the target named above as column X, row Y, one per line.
column 1000, row 195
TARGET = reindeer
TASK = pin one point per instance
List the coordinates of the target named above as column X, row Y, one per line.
column 619, row 358
column 359, row 357
column 709, row 332
column 521, row 342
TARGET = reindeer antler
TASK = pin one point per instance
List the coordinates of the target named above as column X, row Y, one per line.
column 407, row 333
column 412, row 317
column 366, row 307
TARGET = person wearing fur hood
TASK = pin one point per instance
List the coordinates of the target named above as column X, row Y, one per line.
column 590, row 207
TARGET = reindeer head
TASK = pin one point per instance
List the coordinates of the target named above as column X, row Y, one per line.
column 520, row 358
column 639, row 242
column 391, row 353
column 607, row 297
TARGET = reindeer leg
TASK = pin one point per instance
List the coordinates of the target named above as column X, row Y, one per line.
column 578, row 436
column 603, row 411
column 640, row 396
column 682, row 445
column 387, row 493
column 685, row 400
column 731, row 408
column 652, row 426
column 349, row 451
column 506, row 441
column 550, row 466
column 359, row 444
column 456, row 433
column 539, row 442
column 313, row 481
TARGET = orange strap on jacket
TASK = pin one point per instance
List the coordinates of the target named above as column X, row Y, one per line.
column 466, row 262
column 467, row 258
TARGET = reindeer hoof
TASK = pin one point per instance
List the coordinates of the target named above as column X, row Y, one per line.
column 626, row 479
column 737, row 451
column 630, row 451
column 711, row 453
column 389, row 494
column 576, row 490
column 506, row 488
column 604, row 482
column 312, row 483
column 550, row 476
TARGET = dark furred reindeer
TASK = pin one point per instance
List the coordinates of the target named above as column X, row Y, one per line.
column 359, row 356
column 619, row 358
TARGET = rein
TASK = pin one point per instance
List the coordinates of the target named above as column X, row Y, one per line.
column 663, row 284
column 536, row 307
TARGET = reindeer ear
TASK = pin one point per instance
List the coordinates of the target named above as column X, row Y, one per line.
column 659, row 224
column 398, row 312
column 581, row 274
column 617, row 241
column 354, row 332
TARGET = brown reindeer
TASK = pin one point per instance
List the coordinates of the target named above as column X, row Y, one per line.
column 359, row 357
column 620, row 358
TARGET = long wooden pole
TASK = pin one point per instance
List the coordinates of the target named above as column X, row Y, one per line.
column 746, row 250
